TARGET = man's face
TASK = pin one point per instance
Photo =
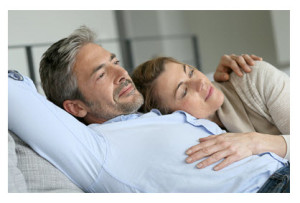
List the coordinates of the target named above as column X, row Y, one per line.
column 106, row 86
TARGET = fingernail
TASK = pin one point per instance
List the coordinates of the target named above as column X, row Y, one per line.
column 216, row 168
column 189, row 160
column 248, row 69
column 189, row 151
column 199, row 165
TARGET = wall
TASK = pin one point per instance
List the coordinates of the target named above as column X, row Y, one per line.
column 139, row 25
column 227, row 32
column 32, row 27
column 281, row 30
column 264, row 33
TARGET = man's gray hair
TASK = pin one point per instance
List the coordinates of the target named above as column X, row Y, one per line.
column 56, row 67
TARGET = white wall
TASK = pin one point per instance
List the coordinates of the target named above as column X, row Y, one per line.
column 143, row 24
column 281, row 30
column 159, row 23
column 265, row 33
column 174, row 23
column 227, row 32
column 31, row 27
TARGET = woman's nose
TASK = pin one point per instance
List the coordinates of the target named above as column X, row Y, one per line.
column 198, row 85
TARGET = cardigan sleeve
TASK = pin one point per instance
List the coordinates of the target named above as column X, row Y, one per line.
column 274, row 88
column 266, row 90
column 274, row 85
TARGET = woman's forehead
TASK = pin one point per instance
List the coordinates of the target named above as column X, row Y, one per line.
column 167, row 81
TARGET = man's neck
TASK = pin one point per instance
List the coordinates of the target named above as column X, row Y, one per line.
column 91, row 120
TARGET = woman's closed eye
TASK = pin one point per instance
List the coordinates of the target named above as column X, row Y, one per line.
column 185, row 89
column 191, row 73
column 184, row 93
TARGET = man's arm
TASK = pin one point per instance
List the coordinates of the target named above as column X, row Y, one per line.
column 54, row 134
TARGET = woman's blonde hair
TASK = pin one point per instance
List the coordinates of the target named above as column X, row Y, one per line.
column 144, row 77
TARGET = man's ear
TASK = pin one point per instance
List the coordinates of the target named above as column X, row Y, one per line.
column 75, row 107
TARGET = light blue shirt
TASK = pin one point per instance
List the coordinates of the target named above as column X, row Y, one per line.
column 130, row 153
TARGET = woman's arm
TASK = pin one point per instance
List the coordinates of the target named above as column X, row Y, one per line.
column 271, row 91
column 233, row 147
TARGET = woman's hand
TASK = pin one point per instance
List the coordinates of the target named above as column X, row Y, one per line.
column 233, row 147
column 234, row 63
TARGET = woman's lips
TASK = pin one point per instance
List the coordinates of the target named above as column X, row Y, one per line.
column 126, row 90
column 209, row 93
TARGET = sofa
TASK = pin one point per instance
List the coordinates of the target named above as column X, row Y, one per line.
column 30, row 173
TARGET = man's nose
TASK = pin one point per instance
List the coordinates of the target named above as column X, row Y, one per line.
column 120, row 74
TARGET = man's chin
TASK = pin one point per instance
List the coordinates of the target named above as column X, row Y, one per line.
column 132, row 105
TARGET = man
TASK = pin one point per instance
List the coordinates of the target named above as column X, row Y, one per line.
column 128, row 152
column 91, row 84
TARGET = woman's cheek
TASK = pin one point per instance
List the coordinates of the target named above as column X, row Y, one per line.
column 189, row 105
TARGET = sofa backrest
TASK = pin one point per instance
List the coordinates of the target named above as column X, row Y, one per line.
column 29, row 172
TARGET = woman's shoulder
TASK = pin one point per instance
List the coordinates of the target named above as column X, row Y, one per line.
column 262, row 72
column 263, row 67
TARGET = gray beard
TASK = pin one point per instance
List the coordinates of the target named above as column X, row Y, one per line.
column 101, row 112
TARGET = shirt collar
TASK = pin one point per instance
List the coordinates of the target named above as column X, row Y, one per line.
column 131, row 116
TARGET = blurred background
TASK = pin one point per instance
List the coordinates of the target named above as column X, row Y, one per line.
column 196, row 37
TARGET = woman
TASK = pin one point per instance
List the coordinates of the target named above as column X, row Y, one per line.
column 254, row 108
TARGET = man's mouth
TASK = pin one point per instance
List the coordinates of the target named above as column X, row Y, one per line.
column 126, row 90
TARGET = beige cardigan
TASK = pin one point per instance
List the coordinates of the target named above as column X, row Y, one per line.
column 259, row 101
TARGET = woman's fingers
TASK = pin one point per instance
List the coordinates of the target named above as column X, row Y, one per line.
column 256, row 58
column 207, row 148
column 243, row 61
column 235, row 63
column 226, row 162
column 196, row 148
column 221, row 76
column 230, row 147
column 215, row 158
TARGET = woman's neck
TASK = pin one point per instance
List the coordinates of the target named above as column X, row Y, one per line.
column 215, row 118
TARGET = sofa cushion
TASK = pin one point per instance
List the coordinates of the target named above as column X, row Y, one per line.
column 16, row 180
column 39, row 174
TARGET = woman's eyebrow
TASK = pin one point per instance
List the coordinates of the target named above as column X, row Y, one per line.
column 184, row 68
column 177, row 88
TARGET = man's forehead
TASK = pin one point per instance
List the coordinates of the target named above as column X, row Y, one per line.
column 92, row 51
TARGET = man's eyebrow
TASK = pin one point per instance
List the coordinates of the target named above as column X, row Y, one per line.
column 184, row 68
column 112, row 56
column 97, row 68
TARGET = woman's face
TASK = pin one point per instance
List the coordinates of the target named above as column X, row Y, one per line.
column 181, row 87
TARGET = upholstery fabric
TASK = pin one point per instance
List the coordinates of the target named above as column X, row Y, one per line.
column 38, row 174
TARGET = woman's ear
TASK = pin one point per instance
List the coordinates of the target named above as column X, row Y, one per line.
column 75, row 107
